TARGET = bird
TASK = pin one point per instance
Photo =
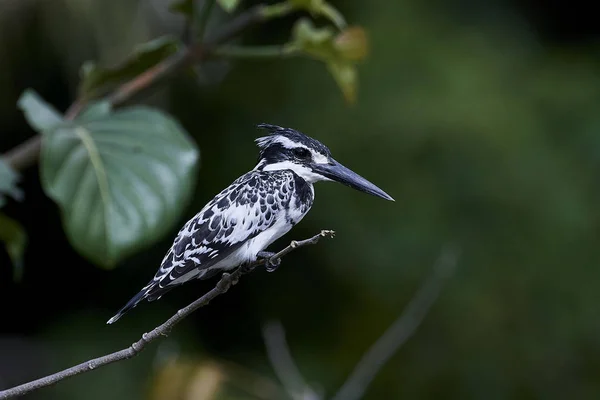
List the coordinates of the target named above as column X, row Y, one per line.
column 259, row 207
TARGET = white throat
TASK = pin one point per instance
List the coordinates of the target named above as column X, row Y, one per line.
column 300, row 170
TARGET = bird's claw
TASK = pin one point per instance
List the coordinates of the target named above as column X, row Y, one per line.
column 328, row 232
column 270, row 264
column 246, row 268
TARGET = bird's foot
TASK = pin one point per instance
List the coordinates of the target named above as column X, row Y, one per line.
column 246, row 268
column 270, row 264
column 227, row 280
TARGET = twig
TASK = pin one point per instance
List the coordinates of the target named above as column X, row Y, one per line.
column 401, row 330
column 256, row 52
column 283, row 363
column 226, row 281
column 295, row 244
column 192, row 54
column 27, row 153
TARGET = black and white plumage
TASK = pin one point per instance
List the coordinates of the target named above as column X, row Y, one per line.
column 255, row 210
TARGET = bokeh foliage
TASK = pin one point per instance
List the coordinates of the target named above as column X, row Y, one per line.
column 484, row 132
column 122, row 178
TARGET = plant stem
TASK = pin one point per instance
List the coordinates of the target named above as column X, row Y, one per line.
column 278, row 9
column 255, row 51
column 334, row 15
column 227, row 280
column 24, row 155
column 27, row 153
column 401, row 330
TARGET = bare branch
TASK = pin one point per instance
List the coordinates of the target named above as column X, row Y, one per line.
column 27, row 153
column 295, row 244
column 401, row 330
column 226, row 281
column 283, row 363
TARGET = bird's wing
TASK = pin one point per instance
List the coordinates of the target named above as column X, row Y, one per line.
column 249, row 206
column 239, row 213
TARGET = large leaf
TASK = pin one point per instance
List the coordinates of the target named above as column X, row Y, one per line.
column 14, row 237
column 121, row 178
column 8, row 183
column 40, row 114
column 145, row 56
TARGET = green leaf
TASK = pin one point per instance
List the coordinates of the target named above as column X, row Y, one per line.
column 94, row 110
column 8, row 183
column 321, row 8
column 14, row 237
column 346, row 77
column 95, row 78
column 229, row 5
column 39, row 114
column 316, row 42
column 121, row 179
column 351, row 44
column 340, row 52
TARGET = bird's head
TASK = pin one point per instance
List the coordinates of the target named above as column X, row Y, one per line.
column 310, row 159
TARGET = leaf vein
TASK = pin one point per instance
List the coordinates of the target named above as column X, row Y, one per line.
column 96, row 160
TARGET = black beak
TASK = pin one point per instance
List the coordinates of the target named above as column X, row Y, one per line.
column 337, row 172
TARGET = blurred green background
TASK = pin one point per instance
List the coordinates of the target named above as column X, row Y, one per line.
column 481, row 120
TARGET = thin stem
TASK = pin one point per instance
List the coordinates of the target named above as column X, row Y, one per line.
column 334, row 15
column 255, row 51
column 278, row 9
column 226, row 281
column 401, row 330
column 27, row 153
column 131, row 351
column 295, row 244
column 24, row 155
column 149, row 77
column 284, row 365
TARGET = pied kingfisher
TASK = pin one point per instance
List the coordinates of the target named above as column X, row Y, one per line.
column 255, row 210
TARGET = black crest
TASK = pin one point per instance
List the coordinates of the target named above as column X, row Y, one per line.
column 293, row 135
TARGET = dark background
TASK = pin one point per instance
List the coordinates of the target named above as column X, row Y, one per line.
column 480, row 119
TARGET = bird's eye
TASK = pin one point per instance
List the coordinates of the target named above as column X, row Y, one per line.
column 301, row 152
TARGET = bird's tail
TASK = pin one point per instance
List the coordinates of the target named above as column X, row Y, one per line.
column 131, row 303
